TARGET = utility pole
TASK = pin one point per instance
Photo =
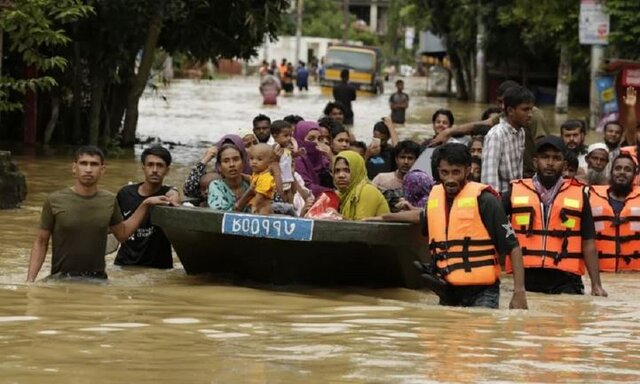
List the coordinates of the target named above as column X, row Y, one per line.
column 345, row 21
column 299, row 4
column 481, row 68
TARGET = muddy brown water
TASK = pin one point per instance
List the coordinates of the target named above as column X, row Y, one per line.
column 148, row 326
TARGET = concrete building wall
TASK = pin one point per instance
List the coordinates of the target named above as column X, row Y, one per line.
column 285, row 48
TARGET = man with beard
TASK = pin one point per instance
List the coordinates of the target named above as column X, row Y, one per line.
column 597, row 159
column 467, row 231
column 262, row 129
column 476, row 169
column 552, row 220
column 573, row 132
column 390, row 183
column 616, row 210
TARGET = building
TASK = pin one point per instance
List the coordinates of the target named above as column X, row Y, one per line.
column 373, row 12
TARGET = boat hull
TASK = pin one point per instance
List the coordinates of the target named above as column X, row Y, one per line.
column 317, row 252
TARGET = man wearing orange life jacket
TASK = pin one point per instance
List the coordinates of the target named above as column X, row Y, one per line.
column 632, row 151
column 616, row 213
column 552, row 219
column 467, row 231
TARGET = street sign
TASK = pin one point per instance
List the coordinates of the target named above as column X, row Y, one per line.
column 594, row 23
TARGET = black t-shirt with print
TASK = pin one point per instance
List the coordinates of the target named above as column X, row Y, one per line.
column 148, row 246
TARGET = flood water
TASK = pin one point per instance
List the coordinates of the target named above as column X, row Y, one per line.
column 149, row 326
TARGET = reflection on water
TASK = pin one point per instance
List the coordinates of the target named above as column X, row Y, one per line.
column 151, row 325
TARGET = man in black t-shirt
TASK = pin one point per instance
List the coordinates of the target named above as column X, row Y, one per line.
column 345, row 93
column 148, row 246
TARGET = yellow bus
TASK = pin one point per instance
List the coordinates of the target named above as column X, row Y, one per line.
column 364, row 65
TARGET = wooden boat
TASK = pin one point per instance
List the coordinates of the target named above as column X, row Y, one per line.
column 287, row 250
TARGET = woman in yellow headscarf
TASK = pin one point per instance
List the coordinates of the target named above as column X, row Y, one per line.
column 358, row 197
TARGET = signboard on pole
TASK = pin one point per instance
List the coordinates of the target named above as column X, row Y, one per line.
column 594, row 23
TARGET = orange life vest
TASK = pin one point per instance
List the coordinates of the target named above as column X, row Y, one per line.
column 558, row 244
column 462, row 248
column 617, row 237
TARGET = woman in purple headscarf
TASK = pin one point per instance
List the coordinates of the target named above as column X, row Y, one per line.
column 192, row 187
column 312, row 163
column 416, row 187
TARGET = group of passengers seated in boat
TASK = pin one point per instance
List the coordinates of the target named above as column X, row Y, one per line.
column 313, row 169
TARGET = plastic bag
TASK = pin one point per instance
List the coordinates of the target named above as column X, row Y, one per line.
column 326, row 207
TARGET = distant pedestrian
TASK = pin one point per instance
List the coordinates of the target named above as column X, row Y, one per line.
column 399, row 102
column 302, row 77
column 287, row 79
column 345, row 93
column 269, row 89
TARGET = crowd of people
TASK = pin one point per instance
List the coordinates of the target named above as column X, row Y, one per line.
column 285, row 77
column 503, row 191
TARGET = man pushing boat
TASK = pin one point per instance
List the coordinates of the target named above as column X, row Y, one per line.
column 465, row 270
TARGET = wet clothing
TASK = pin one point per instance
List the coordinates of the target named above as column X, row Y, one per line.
column 382, row 162
column 360, row 199
column 302, row 79
column 552, row 281
column 148, row 246
column 494, row 219
column 484, row 296
column 502, row 238
column 617, row 224
column 345, row 93
column 270, row 88
column 79, row 227
column 397, row 114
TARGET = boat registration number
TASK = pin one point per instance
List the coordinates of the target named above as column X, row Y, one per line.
column 271, row 227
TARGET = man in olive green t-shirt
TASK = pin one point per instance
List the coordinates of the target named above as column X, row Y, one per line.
column 78, row 220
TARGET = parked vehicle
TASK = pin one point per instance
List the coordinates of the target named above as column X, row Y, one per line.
column 364, row 65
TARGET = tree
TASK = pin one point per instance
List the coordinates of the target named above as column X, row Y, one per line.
column 205, row 29
column 32, row 28
column 114, row 51
column 455, row 21
column 624, row 33
column 322, row 18
column 540, row 22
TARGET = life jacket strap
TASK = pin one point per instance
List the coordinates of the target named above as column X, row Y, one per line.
column 472, row 264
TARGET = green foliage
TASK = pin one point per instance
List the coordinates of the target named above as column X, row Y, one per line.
column 323, row 18
column 624, row 36
column 33, row 28
column 540, row 22
column 209, row 29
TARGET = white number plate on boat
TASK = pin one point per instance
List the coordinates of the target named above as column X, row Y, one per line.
column 271, row 227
